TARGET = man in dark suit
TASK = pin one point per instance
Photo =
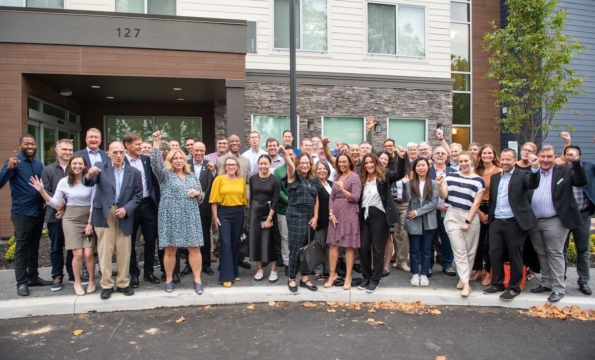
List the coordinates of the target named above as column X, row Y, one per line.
column 145, row 215
column 119, row 190
column 92, row 153
column 509, row 220
column 204, row 171
column 556, row 210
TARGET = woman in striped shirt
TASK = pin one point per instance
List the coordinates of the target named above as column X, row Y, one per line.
column 463, row 192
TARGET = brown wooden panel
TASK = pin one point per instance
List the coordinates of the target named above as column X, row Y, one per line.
column 484, row 111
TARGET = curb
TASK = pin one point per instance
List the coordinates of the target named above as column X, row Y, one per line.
column 152, row 299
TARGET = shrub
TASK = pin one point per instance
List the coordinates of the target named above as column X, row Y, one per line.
column 45, row 233
column 12, row 244
column 592, row 238
column 571, row 252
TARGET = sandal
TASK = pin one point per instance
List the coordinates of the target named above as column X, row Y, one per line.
column 169, row 287
column 530, row 275
column 320, row 278
column 198, row 288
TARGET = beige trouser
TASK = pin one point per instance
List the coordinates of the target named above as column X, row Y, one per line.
column 464, row 243
column 400, row 238
column 107, row 239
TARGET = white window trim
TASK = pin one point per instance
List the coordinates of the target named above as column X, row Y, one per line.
column 285, row 52
column 388, row 119
column 113, row 7
column 369, row 55
column 296, row 138
column 344, row 116
column 41, row 116
column 470, row 73
column 256, row 44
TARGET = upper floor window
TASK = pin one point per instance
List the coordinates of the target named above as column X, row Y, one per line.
column 252, row 36
column 396, row 30
column 48, row 4
column 311, row 19
column 155, row 7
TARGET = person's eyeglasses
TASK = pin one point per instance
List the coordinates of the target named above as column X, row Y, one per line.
column 528, row 151
column 230, row 165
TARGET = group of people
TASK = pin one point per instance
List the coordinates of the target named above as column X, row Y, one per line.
column 474, row 209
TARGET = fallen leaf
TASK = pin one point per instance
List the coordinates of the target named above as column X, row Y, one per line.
column 152, row 331
column 435, row 312
column 272, row 303
column 180, row 320
column 309, row 304
column 331, row 310
column 440, row 357
column 372, row 311
column 78, row 332
column 207, row 307
column 370, row 320
column 250, row 307
column 379, row 322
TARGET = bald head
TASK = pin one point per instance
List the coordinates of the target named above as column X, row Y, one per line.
column 198, row 151
column 116, row 153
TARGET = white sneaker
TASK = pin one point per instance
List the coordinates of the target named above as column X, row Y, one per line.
column 273, row 277
column 415, row 280
column 423, row 281
column 259, row 275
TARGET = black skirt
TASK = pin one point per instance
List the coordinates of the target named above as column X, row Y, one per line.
column 262, row 241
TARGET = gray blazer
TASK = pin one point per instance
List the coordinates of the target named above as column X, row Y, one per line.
column 426, row 212
column 105, row 193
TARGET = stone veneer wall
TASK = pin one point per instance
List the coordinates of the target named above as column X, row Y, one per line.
column 315, row 101
column 220, row 110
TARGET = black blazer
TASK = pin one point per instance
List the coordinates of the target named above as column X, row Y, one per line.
column 520, row 184
column 323, row 203
column 206, row 181
column 51, row 176
column 151, row 179
column 392, row 215
column 563, row 179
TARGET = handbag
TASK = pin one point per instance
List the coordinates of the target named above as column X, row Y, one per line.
column 311, row 255
column 244, row 245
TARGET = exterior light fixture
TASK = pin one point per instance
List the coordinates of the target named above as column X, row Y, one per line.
column 378, row 128
column 310, row 126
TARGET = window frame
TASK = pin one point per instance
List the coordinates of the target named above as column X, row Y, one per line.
column 255, row 37
column 296, row 137
column 153, row 118
column 343, row 116
column 425, row 120
column 328, row 31
column 146, row 2
column 468, row 73
column 396, row 55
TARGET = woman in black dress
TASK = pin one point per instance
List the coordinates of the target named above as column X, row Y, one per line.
column 264, row 196
column 324, row 188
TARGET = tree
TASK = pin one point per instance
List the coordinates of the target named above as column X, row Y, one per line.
column 529, row 59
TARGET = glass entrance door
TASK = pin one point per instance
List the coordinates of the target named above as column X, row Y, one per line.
column 46, row 137
column 48, row 141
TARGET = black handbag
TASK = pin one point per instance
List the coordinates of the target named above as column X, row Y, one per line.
column 311, row 255
column 244, row 245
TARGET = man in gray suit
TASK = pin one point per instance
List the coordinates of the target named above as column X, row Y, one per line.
column 119, row 190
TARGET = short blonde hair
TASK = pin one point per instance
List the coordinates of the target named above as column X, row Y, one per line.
column 167, row 163
column 238, row 168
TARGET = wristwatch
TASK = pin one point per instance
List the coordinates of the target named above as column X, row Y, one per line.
column 467, row 221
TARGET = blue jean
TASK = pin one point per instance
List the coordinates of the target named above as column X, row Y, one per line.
column 445, row 247
column 57, row 254
column 421, row 243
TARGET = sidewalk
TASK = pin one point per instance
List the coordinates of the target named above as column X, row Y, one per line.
column 442, row 291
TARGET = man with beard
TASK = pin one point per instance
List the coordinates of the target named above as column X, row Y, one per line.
column 27, row 213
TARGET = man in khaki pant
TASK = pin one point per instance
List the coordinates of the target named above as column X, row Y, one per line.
column 119, row 190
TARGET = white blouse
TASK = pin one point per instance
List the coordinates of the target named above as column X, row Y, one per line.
column 77, row 195
column 371, row 198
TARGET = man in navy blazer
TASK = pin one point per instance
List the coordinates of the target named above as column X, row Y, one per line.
column 204, row 170
column 118, row 192
column 145, row 215
column 92, row 153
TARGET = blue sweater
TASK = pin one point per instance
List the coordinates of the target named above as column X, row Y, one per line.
column 25, row 199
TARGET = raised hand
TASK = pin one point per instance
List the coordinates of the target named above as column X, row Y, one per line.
column 211, row 166
column 401, row 151
column 157, row 135
column 37, row 183
column 370, row 123
column 440, row 180
column 13, row 161
column 565, row 135
column 440, row 134
column 325, row 141
column 573, row 155
column 534, row 161
column 94, row 170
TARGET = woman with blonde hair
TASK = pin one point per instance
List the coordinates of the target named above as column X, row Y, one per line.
column 178, row 214
column 228, row 203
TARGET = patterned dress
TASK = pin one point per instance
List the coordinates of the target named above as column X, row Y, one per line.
column 346, row 233
column 179, row 216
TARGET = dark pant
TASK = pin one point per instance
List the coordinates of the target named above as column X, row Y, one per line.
column 507, row 235
column 232, row 221
column 57, row 254
column 530, row 257
column 27, row 232
column 582, row 242
column 482, row 258
column 205, row 250
column 145, row 217
column 374, row 234
column 445, row 247
column 421, row 244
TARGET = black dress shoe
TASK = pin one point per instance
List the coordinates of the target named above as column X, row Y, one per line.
column 187, row 270
column 585, row 289
column 23, row 290
column 106, row 293
column 40, row 282
column 133, row 281
column 540, row 289
column 176, row 278
column 509, row 295
column 207, row 270
column 449, row 272
column 309, row 287
column 357, row 268
column 493, row 289
column 246, row 265
column 364, row 284
column 555, row 297
column 385, row 273
column 429, row 274
column 291, row 288
column 127, row 291
column 151, row 278
column 163, row 277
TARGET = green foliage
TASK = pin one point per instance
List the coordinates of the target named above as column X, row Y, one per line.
column 12, row 244
column 571, row 252
column 592, row 241
column 45, row 233
column 529, row 59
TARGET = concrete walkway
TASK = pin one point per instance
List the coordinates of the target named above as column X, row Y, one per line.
column 396, row 286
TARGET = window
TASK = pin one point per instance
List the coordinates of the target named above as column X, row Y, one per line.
column 460, row 66
column 252, row 37
column 54, row 111
column 156, row 7
column 311, row 25
column 271, row 126
column 348, row 130
column 404, row 131
column 49, row 4
column 34, row 104
column 396, row 30
column 12, row 3
column 174, row 128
